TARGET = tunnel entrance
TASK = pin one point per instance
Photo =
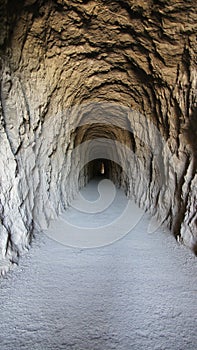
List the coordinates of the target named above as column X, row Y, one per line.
column 102, row 148
column 102, row 168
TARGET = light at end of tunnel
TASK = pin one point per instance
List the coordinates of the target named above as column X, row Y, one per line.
column 102, row 168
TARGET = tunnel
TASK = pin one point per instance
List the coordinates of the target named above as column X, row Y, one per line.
column 96, row 88
column 100, row 167
column 98, row 174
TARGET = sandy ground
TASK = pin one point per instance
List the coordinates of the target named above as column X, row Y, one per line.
column 138, row 293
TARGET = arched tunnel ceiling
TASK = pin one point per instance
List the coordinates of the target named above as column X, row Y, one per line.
column 132, row 53
column 74, row 72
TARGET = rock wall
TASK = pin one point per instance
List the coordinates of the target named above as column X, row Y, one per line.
column 82, row 80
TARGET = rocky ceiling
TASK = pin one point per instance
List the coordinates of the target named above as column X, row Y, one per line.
column 86, row 80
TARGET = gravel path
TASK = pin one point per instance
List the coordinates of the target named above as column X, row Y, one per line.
column 138, row 293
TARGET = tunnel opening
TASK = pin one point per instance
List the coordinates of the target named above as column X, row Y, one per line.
column 101, row 147
column 102, row 168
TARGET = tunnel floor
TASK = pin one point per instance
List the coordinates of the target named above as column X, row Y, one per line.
column 137, row 293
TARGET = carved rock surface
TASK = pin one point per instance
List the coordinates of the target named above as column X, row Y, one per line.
column 78, row 71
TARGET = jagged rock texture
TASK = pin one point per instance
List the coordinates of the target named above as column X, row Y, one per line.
column 76, row 71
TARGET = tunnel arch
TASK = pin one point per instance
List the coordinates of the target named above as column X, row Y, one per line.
column 135, row 71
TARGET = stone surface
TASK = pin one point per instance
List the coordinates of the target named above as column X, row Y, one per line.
column 137, row 293
column 75, row 71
